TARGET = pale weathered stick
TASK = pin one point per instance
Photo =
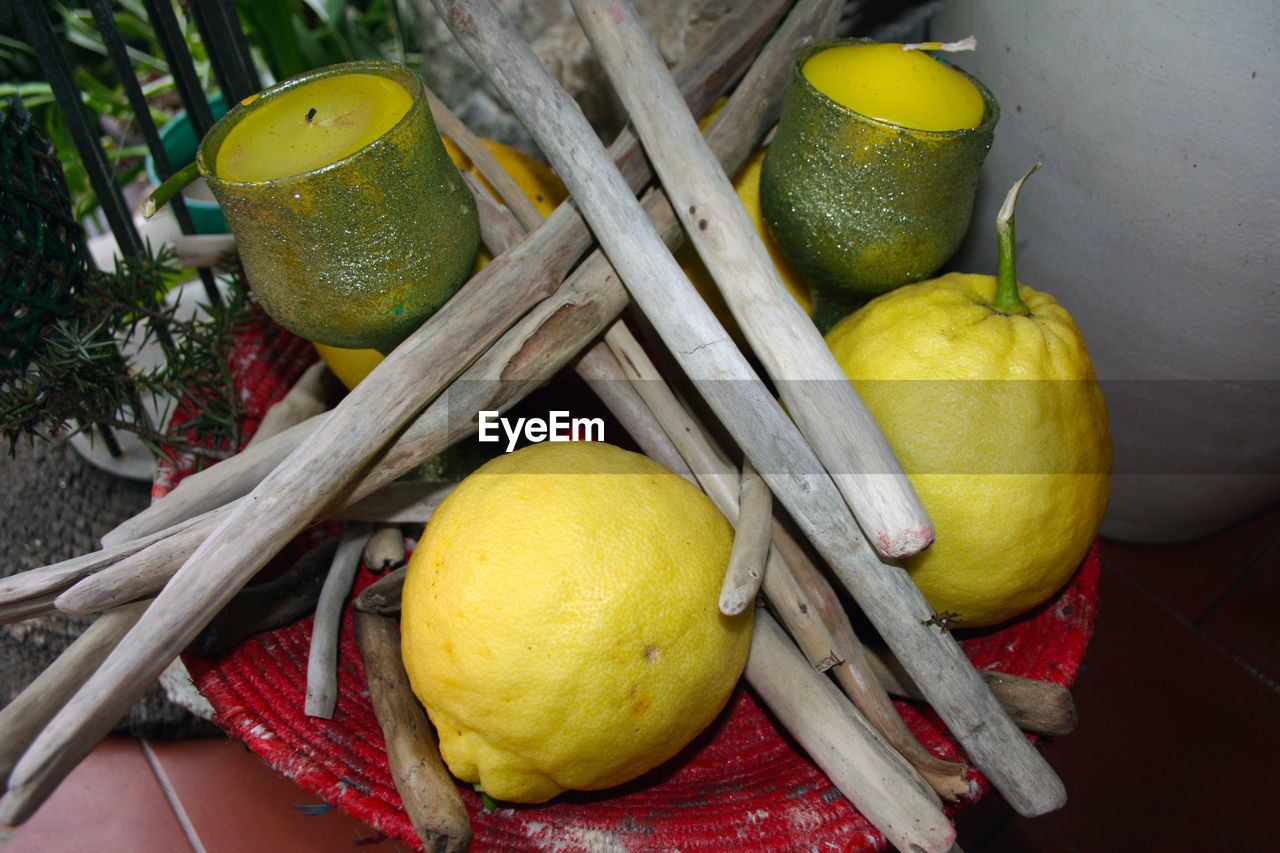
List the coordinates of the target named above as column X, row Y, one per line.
column 385, row 549
column 146, row 572
column 215, row 486
column 29, row 711
column 142, row 573
column 322, row 662
column 745, row 407
column 852, row 754
column 795, row 590
column 808, row 606
column 54, row 578
column 818, row 396
column 497, row 228
column 526, row 213
column 542, row 343
column 1040, row 707
column 428, row 792
column 304, row 400
column 383, row 595
column 751, row 537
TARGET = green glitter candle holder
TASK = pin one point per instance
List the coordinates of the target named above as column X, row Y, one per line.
column 360, row 251
column 862, row 206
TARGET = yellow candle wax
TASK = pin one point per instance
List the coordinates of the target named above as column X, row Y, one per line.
column 310, row 126
column 908, row 88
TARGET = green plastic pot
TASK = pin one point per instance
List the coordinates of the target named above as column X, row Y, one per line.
column 179, row 140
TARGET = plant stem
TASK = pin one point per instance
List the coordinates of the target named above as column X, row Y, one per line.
column 172, row 185
column 1007, row 300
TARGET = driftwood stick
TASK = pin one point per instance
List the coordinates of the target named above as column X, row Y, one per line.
column 31, row 709
column 304, row 400
column 836, row 423
column 28, row 608
column 857, row 760
column 751, row 537
column 383, row 595
column 745, row 407
column 427, row 790
column 539, row 345
column 807, row 605
column 524, row 210
column 322, row 663
column 56, row 577
column 1040, row 707
column 266, row 606
column 143, row 573
column 385, row 549
column 497, row 228
column 215, row 486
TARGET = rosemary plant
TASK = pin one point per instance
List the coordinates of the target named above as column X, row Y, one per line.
column 77, row 377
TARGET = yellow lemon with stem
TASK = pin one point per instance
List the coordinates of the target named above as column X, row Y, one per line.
column 985, row 390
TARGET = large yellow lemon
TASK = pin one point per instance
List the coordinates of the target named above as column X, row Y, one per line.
column 560, row 620
column 1000, row 424
column 539, row 183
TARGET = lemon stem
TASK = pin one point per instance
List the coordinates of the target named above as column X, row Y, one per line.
column 173, row 185
column 1007, row 300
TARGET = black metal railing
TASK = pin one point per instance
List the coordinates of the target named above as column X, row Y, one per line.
column 228, row 49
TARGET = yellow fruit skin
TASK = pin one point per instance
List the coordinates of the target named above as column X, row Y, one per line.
column 560, row 620
column 539, row 183
column 1015, row 474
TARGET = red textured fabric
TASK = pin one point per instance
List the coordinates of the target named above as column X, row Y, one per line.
column 742, row 784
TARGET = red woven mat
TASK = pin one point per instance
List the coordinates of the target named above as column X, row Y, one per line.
column 742, row 783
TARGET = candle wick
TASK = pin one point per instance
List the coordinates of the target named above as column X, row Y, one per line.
column 969, row 43
column 311, row 115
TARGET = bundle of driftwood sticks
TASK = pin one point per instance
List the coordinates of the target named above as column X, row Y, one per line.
column 550, row 300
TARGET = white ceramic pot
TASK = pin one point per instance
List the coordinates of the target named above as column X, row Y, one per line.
column 1156, row 221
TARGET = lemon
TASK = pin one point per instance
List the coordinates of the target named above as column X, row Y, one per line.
column 539, row 183
column 560, row 621
column 999, row 422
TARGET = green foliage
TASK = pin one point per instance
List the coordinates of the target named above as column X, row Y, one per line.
column 99, row 86
column 78, row 377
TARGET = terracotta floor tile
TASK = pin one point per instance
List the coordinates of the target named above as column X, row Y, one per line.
column 1190, row 577
column 1169, row 754
column 235, row 803
column 1247, row 620
column 111, row 801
